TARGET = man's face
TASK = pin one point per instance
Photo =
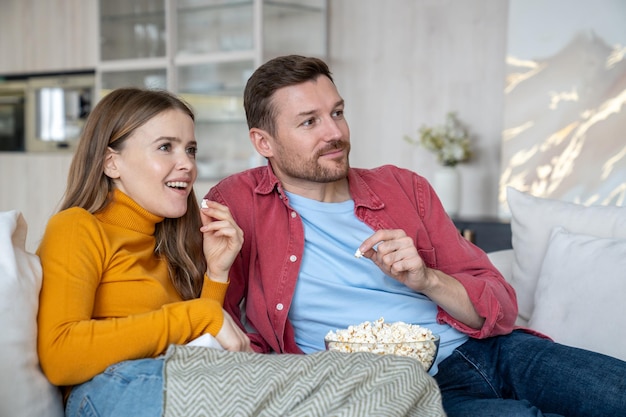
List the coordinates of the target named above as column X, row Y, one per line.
column 312, row 141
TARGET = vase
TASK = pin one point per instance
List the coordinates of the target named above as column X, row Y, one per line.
column 447, row 184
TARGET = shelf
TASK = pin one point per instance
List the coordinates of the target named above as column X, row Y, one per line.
column 211, row 6
column 126, row 10
column 188, row 58
column 117, row 65
column 220, row 109
column 133, row 17
column 294, row 5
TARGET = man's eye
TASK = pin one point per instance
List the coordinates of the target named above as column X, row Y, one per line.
column 338, row 114
column 308, row 122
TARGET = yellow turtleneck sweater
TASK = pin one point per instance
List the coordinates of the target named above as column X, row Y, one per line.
column 106, row 297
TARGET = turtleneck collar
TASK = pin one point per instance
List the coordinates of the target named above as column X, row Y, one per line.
column 122, row 211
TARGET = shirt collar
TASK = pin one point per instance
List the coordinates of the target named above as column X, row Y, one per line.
column 268, row 181
column 361, row 192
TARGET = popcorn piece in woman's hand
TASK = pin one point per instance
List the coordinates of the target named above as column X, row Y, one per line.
column 204, row 204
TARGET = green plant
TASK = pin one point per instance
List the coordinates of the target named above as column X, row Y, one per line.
column 450, row 141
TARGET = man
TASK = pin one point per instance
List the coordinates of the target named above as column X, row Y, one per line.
column 306, row 213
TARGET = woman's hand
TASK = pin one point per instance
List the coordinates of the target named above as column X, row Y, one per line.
column 231, row 337
column 222, row 239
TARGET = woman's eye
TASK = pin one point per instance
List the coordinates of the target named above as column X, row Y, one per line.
column 165, row 147
column 192, row 150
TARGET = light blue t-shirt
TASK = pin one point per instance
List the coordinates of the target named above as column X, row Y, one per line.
column 335, row 289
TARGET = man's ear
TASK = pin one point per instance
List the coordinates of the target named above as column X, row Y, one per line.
column 261, row 142
column 110, row 163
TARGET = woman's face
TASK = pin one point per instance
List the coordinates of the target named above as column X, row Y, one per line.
column 156, row 166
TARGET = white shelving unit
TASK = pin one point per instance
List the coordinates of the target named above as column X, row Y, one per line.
column 205, row 50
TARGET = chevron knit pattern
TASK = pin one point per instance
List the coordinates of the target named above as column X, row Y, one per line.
column 201, row 382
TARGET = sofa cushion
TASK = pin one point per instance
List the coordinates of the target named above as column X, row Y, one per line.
column 25, row 390
column 532, row 221
column 578, row 301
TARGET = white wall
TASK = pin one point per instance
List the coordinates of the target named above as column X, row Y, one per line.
column 402, row 63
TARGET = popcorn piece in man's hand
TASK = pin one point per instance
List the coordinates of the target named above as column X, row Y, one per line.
column 358, row 253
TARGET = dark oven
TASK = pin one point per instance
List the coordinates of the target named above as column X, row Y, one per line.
column 12, row 122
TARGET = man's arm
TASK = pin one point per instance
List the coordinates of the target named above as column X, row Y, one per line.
column 397, row 256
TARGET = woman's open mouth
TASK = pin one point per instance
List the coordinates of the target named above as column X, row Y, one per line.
column 178, row 185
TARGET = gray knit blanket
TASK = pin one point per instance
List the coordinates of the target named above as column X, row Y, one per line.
column 201, row 382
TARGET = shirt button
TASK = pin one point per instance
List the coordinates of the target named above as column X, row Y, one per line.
column 293, row 258
column 293, row 214
column 279, row 306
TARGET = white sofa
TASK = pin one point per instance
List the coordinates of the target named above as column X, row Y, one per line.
column 568, row 266
column 24, row 390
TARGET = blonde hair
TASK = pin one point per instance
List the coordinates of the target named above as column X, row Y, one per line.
column 109, row 125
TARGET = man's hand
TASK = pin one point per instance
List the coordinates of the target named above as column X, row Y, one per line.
column 397, row 256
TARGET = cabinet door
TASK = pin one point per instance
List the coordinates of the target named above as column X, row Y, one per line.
column 47, row 36
column 134, row 42
column 132, row 29
column 294, row 27
column 214, row 56
column 215, row 91
column 212, row 26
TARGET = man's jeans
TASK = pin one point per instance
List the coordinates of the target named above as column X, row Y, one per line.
column 524, row 375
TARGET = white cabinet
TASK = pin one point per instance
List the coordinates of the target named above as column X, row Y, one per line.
column 47, row 36
column 205, row 50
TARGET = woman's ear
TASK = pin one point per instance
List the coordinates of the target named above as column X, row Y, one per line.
column 261, row 142
column 110, row 163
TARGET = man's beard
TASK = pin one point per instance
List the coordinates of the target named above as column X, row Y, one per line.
column 312, row 170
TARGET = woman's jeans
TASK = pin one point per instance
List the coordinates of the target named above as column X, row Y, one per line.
column 130, row 388
column 524, row 375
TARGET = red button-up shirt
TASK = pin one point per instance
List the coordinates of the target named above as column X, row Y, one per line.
column 264, row 275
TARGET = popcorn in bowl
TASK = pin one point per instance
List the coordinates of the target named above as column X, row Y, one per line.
column 397, row 338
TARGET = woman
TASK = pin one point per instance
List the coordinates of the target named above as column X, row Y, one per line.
column 130, row 263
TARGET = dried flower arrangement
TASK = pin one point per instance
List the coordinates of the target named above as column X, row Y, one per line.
column 450, row 141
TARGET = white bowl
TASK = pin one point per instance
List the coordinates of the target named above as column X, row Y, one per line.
column 425, row 350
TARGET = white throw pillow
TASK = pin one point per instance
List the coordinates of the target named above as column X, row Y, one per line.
column 24, row 390
column 579, row 298
column 532, row 220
